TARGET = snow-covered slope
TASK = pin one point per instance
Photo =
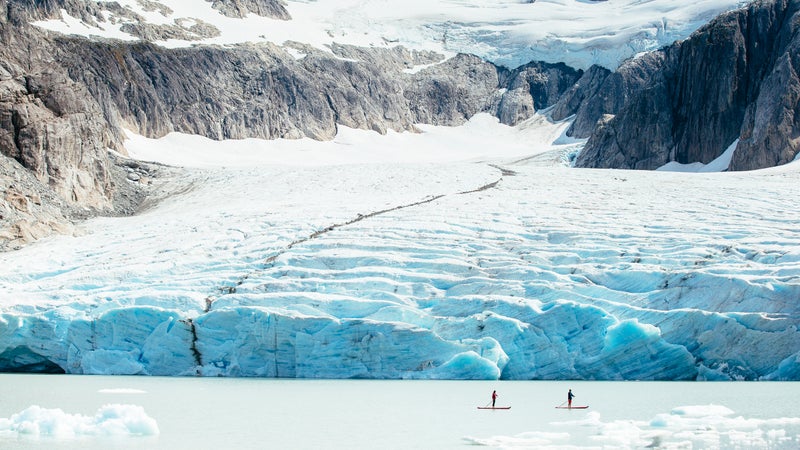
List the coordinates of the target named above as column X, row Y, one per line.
column 507, row 32
column 492, row 262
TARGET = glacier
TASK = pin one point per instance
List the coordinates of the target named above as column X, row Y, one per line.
column 473, row 252
column 509, row 33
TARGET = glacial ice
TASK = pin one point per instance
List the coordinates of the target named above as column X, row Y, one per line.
column 391, row 269
column 552, row 273
column 695, row 426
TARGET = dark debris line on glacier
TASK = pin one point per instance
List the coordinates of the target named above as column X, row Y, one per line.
column 231, row 289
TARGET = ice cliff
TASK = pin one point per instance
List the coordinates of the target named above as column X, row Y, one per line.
column 422, row 271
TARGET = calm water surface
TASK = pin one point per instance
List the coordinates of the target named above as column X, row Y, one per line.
column 224, row 413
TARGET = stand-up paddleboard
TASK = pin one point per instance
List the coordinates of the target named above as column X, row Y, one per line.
column 494, row 407
column 572, row 407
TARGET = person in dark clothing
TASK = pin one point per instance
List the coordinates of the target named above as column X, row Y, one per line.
column 494, row 397
column 570, row 395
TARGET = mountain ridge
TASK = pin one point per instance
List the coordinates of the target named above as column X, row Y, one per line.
column 73, row 97
column 715, row 87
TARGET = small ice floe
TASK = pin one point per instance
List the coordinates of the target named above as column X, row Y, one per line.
column 121, row 391
column 109, row 420
column 696, row 426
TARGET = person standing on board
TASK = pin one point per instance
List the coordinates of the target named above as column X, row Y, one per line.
column 570, row 395
column 494, row 397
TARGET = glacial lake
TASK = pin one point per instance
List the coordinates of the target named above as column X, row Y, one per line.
column 227, row 413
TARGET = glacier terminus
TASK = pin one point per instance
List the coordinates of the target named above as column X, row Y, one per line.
column 439, row 190
column 513, row 267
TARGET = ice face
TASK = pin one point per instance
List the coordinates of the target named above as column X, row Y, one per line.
column 497, row 267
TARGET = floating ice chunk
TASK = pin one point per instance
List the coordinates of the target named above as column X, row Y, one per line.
column 701, row 411
column 523, row 440
column 110, row 420
column 696, row 426
column 121, row 391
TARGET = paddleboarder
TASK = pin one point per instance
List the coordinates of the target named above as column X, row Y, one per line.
column 494, row 397
column 570, row 395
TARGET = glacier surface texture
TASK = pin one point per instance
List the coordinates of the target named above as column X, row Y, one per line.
column 484, row 269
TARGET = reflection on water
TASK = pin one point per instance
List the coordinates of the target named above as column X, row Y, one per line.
column 200, row 413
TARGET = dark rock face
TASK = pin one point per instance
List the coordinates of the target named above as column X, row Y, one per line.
column 452, row 92
column 240, row 8
column 733, row 79
column 20, row 12
column 600, row 92
column 53, row 143
column 532, row 87
column 770, row 133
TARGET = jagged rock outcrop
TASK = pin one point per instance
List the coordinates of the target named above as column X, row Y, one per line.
column 54, row 141
column 240, row 8
column 44, row 111
column 533, row 87
column 20, row 12
column 735, row 78
column 49, row 128
column 260, row 90
column 600, row 92
column 102, row 14
column 770, row 133
column 452, row 92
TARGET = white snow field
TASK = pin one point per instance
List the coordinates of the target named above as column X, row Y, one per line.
column 472, row 252
column 507, row 32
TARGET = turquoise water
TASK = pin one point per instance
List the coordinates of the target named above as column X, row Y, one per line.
column 219, row 413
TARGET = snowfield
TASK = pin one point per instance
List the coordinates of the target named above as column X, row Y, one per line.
column 470, row 253
column 507, row 32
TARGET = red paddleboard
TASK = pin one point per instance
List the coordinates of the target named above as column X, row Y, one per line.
column 494, row 407
column 572, row 407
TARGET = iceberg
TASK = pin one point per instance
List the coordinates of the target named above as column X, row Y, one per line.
column 109, row 420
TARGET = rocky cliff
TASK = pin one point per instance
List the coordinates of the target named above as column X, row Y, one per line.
column 735, row 78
